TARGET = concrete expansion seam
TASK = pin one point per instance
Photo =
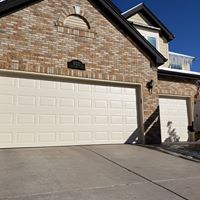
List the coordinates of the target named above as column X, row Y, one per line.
column 137, row 174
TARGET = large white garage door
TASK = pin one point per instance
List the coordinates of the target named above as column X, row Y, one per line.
column 174, row 119
column 49, row 113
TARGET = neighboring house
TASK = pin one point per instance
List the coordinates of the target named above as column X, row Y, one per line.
column 180, row 61
column 73, row 74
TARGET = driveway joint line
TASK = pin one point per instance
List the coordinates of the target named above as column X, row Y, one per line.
column 72, row 190
column 137, row 174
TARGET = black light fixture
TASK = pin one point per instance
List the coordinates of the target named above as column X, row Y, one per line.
column 149, row 86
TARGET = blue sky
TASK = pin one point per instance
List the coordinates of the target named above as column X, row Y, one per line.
column 182, row 17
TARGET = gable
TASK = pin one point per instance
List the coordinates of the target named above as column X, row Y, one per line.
column 139, row 19
column 146, row 14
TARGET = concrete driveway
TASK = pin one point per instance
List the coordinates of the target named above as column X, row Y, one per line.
column 103, row 172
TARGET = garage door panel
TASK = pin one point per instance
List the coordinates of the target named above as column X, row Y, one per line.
column 47, row 85
column 47, row 137
column 174, row 118
column 67, row 86
column 26, row 100
column 6, row 99
column 25, row 137
column 24, row 119
column 101, row 136
column 6, row 118
column 66, row 102
column 66, row 119
column 67, row 137
column 7, row 82
column 47, row 119
column 6, row 137
column 117, row 135
column 47, row 101
column 117, row 120
column 116, row 112
column 101, row 119
column 50, row 113
column 85, row 136
column 84, row 103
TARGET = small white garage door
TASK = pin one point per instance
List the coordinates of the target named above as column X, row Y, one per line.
column 50, row 113
column 174, row 119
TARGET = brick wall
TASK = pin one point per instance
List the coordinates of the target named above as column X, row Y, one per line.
column 176, row 86
column 35, row 40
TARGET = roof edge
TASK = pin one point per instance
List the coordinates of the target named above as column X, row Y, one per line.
column 178, row 73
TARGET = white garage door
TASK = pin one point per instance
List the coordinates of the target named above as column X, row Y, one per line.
column 49, row 113
column 174, row 119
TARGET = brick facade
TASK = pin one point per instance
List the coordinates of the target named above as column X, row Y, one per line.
column 176, row 86
column 35, row 40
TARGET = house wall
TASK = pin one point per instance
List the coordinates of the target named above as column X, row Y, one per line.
column 35, row 39
column 164, row 49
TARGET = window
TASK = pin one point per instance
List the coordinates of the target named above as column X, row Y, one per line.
column 152, row 40
column 176, row 66
column 77, row 21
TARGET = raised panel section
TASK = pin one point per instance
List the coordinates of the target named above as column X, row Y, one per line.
column 6, row 138
column 117, row 120
column 116, row 104
column 26, row 100
column 101, row 104
column 117, row 135
column 47, row 84
column 86, row 103
column 67, row 102
column 85, row 119
column 25, row 119
column 101, row 136
column 47, row 119
column 84, row 136
column 7, row 82
column 84, row 88
column 130, row 105
column 67, row 119
column 101, row 89
column 27, row 83
column 68, row 137
column 47, row 101
column 101, row 119
column 6, row 119
column 67, row 86
column 6, row 99
column 25, row 137
column 116, row 90
column 47, row 137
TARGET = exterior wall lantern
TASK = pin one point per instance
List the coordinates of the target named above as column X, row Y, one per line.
column 149, row 86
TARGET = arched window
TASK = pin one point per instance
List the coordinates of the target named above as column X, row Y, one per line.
column 76, row 21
